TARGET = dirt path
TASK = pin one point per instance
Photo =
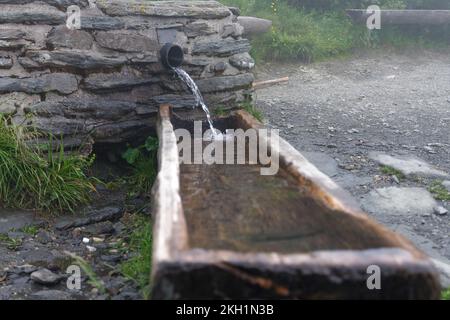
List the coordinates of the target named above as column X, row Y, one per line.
column 340, row 112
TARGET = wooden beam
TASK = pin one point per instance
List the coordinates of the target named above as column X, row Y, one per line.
column 269, row 83
column 404, row 17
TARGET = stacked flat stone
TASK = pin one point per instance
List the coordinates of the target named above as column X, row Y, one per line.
column 104, row 82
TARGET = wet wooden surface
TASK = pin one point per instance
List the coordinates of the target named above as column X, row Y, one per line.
column 233, row 207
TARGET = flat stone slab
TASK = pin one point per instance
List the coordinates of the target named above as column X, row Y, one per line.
column 399, row 201
column 16, row 220
column 446, row 184
column 323, row 162
column 408, row 165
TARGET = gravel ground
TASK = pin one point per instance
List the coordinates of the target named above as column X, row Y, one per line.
column 337, row 112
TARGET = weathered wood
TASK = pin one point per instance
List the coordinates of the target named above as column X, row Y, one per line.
column 404, row 17
column 269, row 83
column 184, row 269
column 171, row 236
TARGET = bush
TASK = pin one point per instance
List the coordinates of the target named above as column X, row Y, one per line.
column 51, row 182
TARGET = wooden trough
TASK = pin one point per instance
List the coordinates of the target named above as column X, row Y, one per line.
column 227, row 232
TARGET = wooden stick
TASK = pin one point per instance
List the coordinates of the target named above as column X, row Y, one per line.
column 269, row 83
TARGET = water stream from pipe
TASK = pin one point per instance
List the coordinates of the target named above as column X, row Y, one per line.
column 199, row 101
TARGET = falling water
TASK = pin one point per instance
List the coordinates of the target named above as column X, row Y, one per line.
column 186, row 78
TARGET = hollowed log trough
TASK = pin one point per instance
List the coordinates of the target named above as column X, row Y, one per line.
column 226, row 232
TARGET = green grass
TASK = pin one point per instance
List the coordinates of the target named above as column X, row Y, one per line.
column 252, row 109
column 138, row 268
column 143, row 159
column 30, row 230
column 10, row 243
column 220, row 111
column 392, row 172
column 320, row 32
column 30, row 177
column 439, row 191
column 446, row 294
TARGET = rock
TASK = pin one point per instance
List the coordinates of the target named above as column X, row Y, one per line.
column 440, row 211
column 446, row 184
column 106, row 227
column 60, row 4
column 17, row 101
column 101, row 81
column 6, row 62
column 51, row 295
column 254, row 26
column 80, row 59
column 396, row 180
column 16, row 220
column 11, row 34
column 111, row 258
column 323, row 162
column 102, row 23
column 198, row 28
column 31, row 14
column 399, row 201
column 232, row 30
column 242, row 61
column 127, row 41
column 63, row 83
column 44, row 237
column 225, row 83
column 45, row 277
column 91, row 249
column 182, row 9
column 407, row 165
column 25, row 269
column 223, row 48
column 220, row 67
column 95, row 216
column 63, row 37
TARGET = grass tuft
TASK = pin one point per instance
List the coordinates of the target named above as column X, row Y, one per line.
column 251, row 109
column 439, row 191
column 31, row 177
column 140, row 244
column 392, row 172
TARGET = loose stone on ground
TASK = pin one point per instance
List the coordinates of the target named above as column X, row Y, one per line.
column 409, row 166
column 399, row 201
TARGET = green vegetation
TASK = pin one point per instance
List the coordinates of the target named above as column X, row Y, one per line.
column 439, row 191
column 392, row 172
column 30, row 230
column 138, row 268
column 310, row 30
column 11, row 243
column 220, row 111
column 446, row 294
column 37, row 177
column 143, row 159
column 251, row 108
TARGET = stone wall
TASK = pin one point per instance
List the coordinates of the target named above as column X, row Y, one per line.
column 104, row 82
